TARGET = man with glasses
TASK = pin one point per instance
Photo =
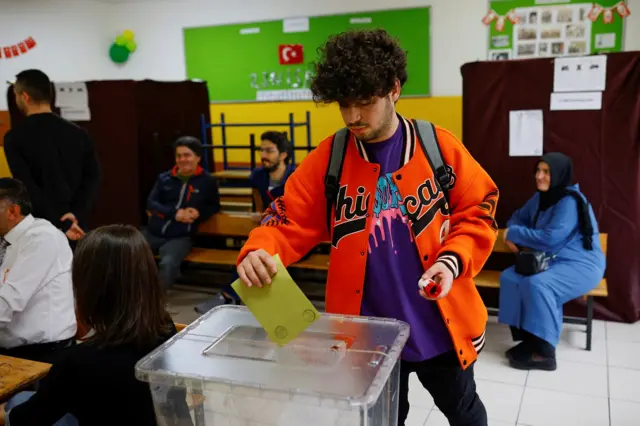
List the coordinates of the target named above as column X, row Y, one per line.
column 268, row 181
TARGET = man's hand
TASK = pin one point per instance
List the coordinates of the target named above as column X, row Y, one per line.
column 443, row 278
column 74, row 233
column 183, row 216
column 69, row 216
column 509, row 244
column 192, row 213
column 257, row 268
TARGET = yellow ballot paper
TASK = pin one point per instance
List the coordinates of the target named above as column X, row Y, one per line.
column 281, row 307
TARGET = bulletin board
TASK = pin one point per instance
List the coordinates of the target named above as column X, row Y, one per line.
column 273, row 61
column 521, row 29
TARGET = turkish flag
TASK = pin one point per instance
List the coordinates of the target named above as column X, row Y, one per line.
column 15, row 51
column 7, row 52
column 290, row 54
column 23, row 47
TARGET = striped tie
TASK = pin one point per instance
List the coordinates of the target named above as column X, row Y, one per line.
column 3, row 248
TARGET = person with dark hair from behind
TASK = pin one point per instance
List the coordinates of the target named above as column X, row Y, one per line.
column 181, row 199
column 559, row 222
column 269, row 180
column 37, row 317
column 119, row 296
column 53, row 157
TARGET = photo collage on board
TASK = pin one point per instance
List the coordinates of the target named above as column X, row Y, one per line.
column 549, row 31
column 552, row 31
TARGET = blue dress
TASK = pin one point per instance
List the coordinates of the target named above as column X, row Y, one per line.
column 534, row 303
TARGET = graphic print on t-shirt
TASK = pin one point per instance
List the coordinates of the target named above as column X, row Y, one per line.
column 388, row 207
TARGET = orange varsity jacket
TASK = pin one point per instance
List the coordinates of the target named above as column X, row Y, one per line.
column 462, row 233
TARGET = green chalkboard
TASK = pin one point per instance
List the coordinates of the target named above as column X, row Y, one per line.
column 554, row 28
column 242, row 62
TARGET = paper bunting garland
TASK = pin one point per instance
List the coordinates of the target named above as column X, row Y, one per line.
column 500, row 20
column 8, row 52
column 607, row 13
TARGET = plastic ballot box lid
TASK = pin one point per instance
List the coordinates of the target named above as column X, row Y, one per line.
column 341, row 358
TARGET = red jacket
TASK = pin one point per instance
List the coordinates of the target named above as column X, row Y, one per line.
column 296, row 223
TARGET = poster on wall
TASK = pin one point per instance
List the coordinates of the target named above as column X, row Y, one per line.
column 521, row 29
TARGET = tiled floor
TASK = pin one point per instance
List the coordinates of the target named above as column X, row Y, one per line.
column 596, row 388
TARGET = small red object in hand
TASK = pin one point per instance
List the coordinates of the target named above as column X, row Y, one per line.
column 431, row 289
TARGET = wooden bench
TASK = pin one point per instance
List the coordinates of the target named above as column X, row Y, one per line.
column 491, row 279
column 232, row 174
column 235, row 192
column 230, row 224
column 236, row 206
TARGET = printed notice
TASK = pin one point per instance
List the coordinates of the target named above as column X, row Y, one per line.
column 73, row 101
column 576, row 101
column 295, row 25
column 525, row 133
column 581, row 74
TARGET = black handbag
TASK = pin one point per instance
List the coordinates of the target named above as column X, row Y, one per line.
column 532, row 262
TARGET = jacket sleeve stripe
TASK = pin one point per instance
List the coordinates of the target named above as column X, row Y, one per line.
column 450, row 262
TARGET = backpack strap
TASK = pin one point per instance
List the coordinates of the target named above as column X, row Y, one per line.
column 334, row 170
column 429, row 141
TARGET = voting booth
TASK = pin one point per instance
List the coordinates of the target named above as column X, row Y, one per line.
column 593, row 120
column 341, row 371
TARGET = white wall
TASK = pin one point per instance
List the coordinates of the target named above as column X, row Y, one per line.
column 159, row 30
column 70, row 37
column 73, row 45
column 457, row 33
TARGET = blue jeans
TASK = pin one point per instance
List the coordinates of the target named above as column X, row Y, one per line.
column 172, row 252
column 66, row 420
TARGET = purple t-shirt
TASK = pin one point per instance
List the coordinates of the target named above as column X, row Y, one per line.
column 394, row 266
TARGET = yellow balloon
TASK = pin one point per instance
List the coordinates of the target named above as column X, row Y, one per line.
column 128, row 35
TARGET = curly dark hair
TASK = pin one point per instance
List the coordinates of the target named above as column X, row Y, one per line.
column 358, row 65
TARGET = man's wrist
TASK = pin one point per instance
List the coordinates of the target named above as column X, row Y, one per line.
column 452, row 262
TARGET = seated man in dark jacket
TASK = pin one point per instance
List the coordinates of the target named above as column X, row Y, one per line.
column 269, row 180
column 180, row 200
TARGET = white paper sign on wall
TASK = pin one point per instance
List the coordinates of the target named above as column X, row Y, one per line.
column 525, row 133
column 73, row 101
column 580, row 74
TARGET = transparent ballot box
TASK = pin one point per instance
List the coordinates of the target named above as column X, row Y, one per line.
column 223, row 370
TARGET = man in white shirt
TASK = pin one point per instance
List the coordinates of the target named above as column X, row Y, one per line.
column 37, row 308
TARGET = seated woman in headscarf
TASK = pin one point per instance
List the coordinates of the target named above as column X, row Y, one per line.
column 559, row 221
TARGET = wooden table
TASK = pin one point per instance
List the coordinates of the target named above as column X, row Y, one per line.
column 16, row 374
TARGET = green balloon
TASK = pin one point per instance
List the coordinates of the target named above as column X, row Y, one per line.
column 131, row 46
column 121, row 40
column 118, row 54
